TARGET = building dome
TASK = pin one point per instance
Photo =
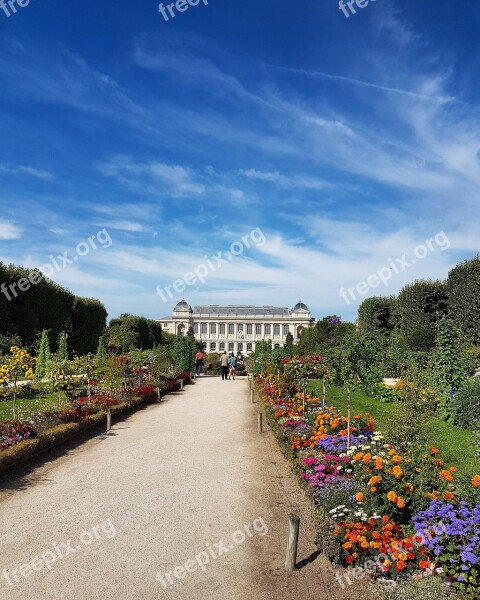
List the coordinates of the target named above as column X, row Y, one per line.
column 183, row 307
column 300, row 307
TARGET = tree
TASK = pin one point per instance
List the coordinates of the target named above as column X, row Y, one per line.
column 379, row 313
column 449, row 364
column 101, row 356
column 43, row 357
column 18, row 364
column 184, row 349
column 62, row 353
column 289, row 344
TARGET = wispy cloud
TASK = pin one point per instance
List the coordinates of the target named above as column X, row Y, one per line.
column 24, row 170
column 9, row 231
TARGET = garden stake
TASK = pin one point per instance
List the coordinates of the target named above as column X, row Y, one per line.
column 324, row 394
column 159, row 394
column 292, row 545
column 349, row 416
column 109, row 419
column 260, row 423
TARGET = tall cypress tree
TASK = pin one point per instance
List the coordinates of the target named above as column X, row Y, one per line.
column 101, row 357
column 62, row 346
column 43, row 357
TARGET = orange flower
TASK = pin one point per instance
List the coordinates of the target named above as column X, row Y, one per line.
column 392, row 452
column 448, row 496
column 359, row 497
column 400, row 502
column 374, row 480
column 439, row 462
column 397, row 472
column 401, row 565
column 367, row 458
column 434, row 451
column 373, row 489
column 446, row 475
column 476, row 481
column 453, row 469
column 424, row 564
column 379, row 463
column 392, row 496
column 357, row 456
column 397, row 459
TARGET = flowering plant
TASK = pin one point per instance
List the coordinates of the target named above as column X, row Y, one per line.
column 13, row 432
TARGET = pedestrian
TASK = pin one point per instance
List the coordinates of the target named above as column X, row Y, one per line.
column 224, row 365
column 232, row 363
column 199, row 356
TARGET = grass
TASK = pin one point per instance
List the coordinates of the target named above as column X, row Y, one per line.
column 456, row 445
column 27, row 408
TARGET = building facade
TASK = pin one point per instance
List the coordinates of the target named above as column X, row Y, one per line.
column 238, row 328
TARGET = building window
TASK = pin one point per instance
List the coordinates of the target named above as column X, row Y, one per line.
column 222, row 328
column 249, row 347
column 231, row 329
column 165, row 324
column 240, row 327
column 258, row 329
column 204, row 345
column 231, row 347
column 204, row 329
column 213, row 346
column 195, row 328
column 240, row 347
column 277, row 346
column 276, row 329
column 268, row 329
column 213, row 328
column 286, row 329
column 222, row 346
column 249, row 329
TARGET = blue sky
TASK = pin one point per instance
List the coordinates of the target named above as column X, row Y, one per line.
column 347, row 141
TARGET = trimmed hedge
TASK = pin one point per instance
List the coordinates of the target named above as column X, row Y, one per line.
column 464, row 299
column 379, row 313
column 422, row 305
column 48, row 306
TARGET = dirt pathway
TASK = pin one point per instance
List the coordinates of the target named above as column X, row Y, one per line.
column 185, row 500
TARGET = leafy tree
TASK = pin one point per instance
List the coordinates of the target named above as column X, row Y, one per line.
column 379, row 313
column 289, row 344
column 130, row 332
column 43, row 357
column 422, row 305
column 101, row 356
column 18, row 364
column 449, row 364
column 184, row 349
column 62, row 353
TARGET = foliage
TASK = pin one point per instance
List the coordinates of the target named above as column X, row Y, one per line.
column 466, row 405
column 147, row 393
column 327, row 333
column 101, row 356
column 129, row 332
column 184, row 349
column 88, row 322
column 18, row 364
column 62, row 353
column 449, row 364
column 43, row 357
column 379, row 313
column 422, row 305
column 13, row 432
column 464, row 299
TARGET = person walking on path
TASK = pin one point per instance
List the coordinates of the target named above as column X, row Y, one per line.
column 199, row 362
column 224, row 365
column 232, row 363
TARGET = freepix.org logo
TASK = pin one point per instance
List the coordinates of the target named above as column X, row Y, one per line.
column 169, row 11
column 9, row 7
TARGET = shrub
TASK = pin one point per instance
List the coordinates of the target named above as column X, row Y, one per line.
column 147, row 393
column 464, row 298
column 13, row 432
column 466, row 405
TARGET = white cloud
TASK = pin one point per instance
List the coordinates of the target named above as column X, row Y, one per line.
column 9, row 231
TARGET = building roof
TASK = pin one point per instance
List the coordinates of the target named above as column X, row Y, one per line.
column 183, row 306
column 241, row 310
column 300, row 306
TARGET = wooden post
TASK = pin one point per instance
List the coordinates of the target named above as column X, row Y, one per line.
column 181, row 384
column 109, row 419
column 159, row 394
column 349, row 416
column 252, row 395
column 260, row 422
column 324, row 395
column 292, row 545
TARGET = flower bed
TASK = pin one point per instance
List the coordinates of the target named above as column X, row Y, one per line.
column 14, row 432
column 403, row 513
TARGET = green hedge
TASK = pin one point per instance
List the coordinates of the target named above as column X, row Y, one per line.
column 47, row 306
column 464, row 299
column 380, row 313
column 422, row 305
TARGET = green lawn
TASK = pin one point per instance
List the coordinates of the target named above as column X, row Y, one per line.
column 456, row 444
column 26, row 408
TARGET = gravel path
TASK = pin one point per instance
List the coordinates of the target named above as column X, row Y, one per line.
column 184, row 500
